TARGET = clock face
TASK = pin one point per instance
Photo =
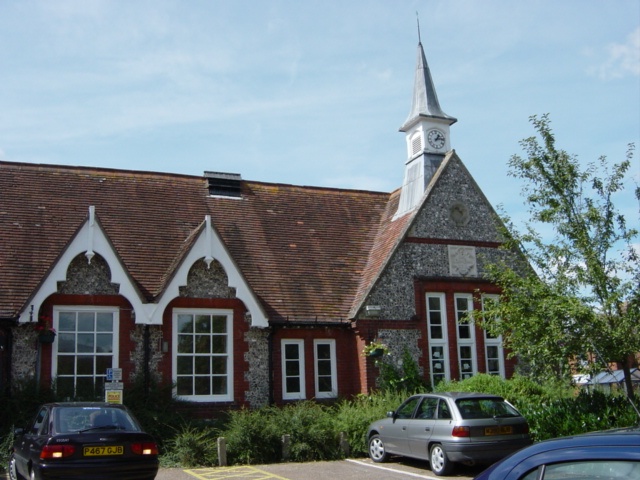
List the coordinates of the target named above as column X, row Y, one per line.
column 436, row 138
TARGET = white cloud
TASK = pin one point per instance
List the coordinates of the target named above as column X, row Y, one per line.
column 623, row 58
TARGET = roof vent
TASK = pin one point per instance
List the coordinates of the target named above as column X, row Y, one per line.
column 224, row 184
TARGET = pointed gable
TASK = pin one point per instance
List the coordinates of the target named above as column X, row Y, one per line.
column 455, row 208
column 417, row 244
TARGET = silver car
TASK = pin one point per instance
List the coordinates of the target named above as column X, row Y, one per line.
column 449, row 428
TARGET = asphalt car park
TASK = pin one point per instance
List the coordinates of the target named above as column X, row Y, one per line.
column 352, row 469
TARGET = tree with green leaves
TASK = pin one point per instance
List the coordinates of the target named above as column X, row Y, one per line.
column 575, row 291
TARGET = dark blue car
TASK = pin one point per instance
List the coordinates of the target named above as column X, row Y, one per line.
column 83, row 441
column 611, row 454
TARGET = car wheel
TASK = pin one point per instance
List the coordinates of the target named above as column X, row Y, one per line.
column 440, row 464
column 377, row 452
column 13, row 471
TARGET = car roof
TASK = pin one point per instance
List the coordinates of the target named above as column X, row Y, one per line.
column 462, row 395
column 84, row 404
column 622, row 440
column 614, row 437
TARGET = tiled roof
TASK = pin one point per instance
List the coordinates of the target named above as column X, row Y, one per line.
column 308, row 253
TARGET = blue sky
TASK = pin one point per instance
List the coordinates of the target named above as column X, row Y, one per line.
column 313, row 92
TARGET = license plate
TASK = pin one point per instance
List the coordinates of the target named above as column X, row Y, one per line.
column 501, row 430
column 103, row 451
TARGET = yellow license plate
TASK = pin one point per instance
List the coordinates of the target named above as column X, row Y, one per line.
column 103, row 451
column 501, row 430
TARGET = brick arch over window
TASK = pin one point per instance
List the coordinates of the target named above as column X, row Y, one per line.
column 207, row 282
column 88, row 278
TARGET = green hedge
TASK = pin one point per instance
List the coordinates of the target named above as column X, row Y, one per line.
column 554, row 409
column 314, row 429
column 255, row 436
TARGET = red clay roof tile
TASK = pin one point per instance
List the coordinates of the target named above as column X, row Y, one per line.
column 307, row 252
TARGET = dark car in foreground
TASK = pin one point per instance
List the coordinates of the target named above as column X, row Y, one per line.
column 83, row 441
column 611, row 454
column 449, row 428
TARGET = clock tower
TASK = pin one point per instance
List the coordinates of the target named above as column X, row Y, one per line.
column 427, row 135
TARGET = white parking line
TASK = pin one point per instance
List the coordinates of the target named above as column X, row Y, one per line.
column 379, row 467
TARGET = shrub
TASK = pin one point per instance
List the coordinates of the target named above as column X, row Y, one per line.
column 252, row 437
column 6, row 441
column 192, row 447
column 21, row 406
column 585, row 413
column 17, row 410
column 553, row 409
column 404, row 378
column 255, row 436
column 520, row 391
column 156, row 409
column 311, row 429
column 354, row 416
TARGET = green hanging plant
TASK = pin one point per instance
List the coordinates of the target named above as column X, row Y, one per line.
column 375, row 349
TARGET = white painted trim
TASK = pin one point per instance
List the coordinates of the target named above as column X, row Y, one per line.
column 90, row 234
column 334, row 369
column 301, row 395
column 438, row 342
column 115, row 353
column 231, row 351
column 493, row 341
column 466, row 342
column 207, row 245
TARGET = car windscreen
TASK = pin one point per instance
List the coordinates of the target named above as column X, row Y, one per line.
column 83, row 419
column 470, row 408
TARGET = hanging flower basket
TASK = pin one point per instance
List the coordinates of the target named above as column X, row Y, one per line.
column 46, row 336
column 46, row 332
column 375, row 349
column 378, row 352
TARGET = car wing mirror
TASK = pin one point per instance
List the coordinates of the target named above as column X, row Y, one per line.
column 391, row 415
column 18, row 431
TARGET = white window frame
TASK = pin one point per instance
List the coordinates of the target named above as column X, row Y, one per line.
column 230, row 353
column 334, row 369
column 301, row 394
column 466, row 342
column 115, row 353
column 438, row 343
column 496, row 342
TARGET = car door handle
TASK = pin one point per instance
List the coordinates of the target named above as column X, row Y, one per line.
column 427, row 429
column 404, row 428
